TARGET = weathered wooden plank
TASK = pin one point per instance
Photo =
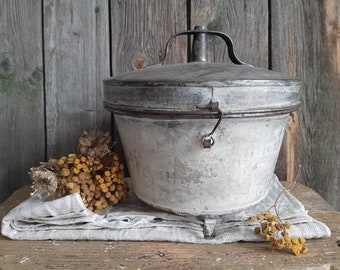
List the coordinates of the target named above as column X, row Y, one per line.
column 305, row 43
column 140, row 30
column 77, row 60
column 21, row 92
column 246, row 22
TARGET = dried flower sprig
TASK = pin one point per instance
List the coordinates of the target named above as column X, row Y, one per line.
column 275, row 230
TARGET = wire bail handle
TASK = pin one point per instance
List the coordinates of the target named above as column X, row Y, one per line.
column 199, row 48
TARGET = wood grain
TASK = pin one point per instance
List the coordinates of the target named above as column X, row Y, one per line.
column 21, row 92
column 77, row 60
column 241, row 21
column 305, row 43
column 140, row 30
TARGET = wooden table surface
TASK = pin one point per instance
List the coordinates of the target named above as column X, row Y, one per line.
column 323, row 253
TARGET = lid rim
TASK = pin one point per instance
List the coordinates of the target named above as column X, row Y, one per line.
column 199, row 113
column 227, row 83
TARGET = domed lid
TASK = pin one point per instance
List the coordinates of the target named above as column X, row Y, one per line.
column 202, row 88
column 201, row 74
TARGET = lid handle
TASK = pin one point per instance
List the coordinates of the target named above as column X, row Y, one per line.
column 200, row 45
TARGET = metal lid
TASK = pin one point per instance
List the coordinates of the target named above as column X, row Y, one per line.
column 201, row 88
column 201, row 74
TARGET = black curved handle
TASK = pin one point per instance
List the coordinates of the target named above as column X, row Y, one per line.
column 222, row 35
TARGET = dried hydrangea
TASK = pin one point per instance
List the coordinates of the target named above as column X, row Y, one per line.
column 44, row 181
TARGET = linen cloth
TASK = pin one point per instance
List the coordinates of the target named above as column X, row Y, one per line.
column 68, row 219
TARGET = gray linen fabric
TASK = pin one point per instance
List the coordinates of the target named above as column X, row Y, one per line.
column 68, row 219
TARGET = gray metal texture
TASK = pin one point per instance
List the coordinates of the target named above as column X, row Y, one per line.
column 171, row 170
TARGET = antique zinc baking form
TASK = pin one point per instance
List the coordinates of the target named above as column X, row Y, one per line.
column 201, row 138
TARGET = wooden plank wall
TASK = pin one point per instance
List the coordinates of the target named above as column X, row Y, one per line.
column 22, row 133
column 54, row 55
column 77, row 53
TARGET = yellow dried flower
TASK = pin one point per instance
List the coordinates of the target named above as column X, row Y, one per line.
column 61, row 161
column 281, row 241
column 279, row 227
column 273, row 218
column 260, row 217
column 286, row 224
column 76, row 161
column 299, row 247
column 266, row 237
column 295, row 250
column 295, row 241
column 100, row 180
column 267, row 214
column 65, row 172
column 302, row 240
column 288, row 244
column 286, row 237
column 257, row 230
column 273, row 229
column 273, row 239
column 251, row 219
column 70, row 160
column 75, row 170
column 278, row 246
column 304, row 250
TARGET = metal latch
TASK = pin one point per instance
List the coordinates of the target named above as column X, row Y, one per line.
column 207, row 140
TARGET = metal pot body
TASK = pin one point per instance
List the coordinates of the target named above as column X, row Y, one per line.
column 201, row 138
column 170, row 169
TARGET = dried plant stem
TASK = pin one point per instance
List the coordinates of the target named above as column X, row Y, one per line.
column 274, row 229
column 284, row 190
